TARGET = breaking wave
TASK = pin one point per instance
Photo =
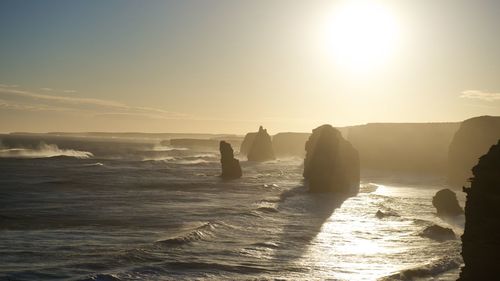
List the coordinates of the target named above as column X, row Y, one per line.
column 159, row 158
column 162, row 148
column 202, row 232
column 43, row 150
column 193, row 162
column 428, row 270
column 93, row 164
column 102, row 277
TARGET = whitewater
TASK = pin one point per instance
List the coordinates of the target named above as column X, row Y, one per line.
column 135, row 210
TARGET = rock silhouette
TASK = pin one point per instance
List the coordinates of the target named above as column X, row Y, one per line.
column 231, row 168
column 247, row 143
column 262, row 147
column 446, row 203
column 438, row 233
column 481, row 238
column 473, row 139
column 331, row 163
column 379, row 214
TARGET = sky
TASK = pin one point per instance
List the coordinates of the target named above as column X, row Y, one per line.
column 229, row 66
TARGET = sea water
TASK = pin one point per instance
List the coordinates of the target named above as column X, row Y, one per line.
column 147, row 212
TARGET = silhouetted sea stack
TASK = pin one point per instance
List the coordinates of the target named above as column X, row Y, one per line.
column 247, row 142
column 262, row 147
column 481, row 238
column 331, row 163
column 473, row 139
column 446, row 203
column 230, row 166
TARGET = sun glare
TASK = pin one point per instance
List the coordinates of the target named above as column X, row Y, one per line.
column 362, row 35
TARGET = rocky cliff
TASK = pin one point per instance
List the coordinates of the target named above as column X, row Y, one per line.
column 403, row 147
column 473, row 139
column 481, row 238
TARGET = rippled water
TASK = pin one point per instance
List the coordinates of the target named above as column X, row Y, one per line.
column 167, row 216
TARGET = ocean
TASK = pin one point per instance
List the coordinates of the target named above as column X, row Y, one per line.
column 131, row 209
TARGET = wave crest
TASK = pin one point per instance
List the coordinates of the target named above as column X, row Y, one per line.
column 43, row 150
column 202, row 232
column 428, row 270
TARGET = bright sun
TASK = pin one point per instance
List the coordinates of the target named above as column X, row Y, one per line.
column 362, row 35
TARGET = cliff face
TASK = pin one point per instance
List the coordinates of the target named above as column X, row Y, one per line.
column 262, row 147
column 290, row 144
column 471, row 141
column 331, row 163
column 231, row 168
column 410, row 147
column 481, row 239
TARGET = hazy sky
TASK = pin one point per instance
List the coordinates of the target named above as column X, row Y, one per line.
column 229, row 66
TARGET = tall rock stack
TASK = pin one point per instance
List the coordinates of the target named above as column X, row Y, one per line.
column 331, row 163
column 247, row 142
column 262, row 147
column 481, row 238
column 231, row 168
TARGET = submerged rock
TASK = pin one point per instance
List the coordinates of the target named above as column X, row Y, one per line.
column 331, row 163
column 446, row 203
column 438, row 233
column 481, row 238
column 231, row 168
column 262, row 147
column 379, row 214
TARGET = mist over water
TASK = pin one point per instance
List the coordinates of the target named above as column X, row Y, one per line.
column 85, row 210
column 42, row 150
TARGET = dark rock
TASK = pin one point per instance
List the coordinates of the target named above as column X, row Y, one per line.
column 231, row 168
column 331, row 163
column 290, row 144
column 446, row 203
column 382, row 215
column 438, row 233
column 481, row 238
column 262, row 147
column 473, row 139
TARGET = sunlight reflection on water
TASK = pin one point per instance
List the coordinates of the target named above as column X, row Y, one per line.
column 353, row 244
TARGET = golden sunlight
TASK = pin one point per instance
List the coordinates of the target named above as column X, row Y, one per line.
column 362, row 35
